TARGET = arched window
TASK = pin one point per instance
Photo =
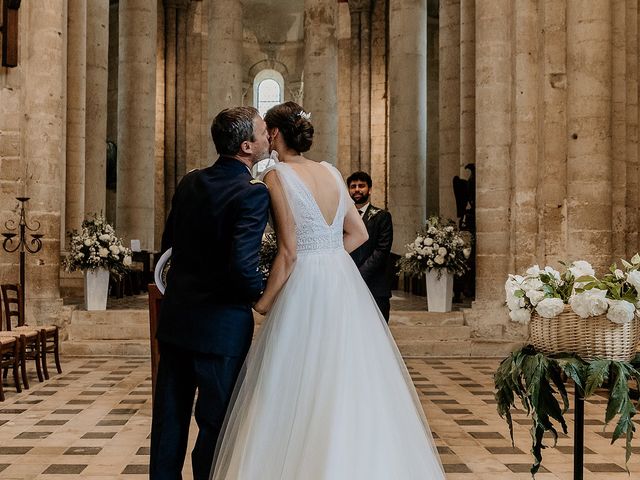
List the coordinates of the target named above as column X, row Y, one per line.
column 268, row 91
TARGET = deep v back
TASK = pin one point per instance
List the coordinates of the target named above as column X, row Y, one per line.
column 313, row 232
column 305, row 185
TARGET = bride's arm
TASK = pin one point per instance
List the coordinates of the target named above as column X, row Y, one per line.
column 284, row 227
column 355, row 232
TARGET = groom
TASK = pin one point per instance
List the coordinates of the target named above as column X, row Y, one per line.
column 215, row 228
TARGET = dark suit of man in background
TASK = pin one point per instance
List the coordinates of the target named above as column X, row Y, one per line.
column 215, row 227
column 372, row 257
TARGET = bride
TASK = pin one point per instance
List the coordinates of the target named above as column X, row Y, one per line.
column 324, row 394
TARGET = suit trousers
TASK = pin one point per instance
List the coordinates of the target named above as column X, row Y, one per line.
column 180, row 373
column 384, row 304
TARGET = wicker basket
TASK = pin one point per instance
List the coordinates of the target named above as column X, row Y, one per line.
column 589, row 338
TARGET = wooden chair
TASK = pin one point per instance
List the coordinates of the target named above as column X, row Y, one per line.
column 49, row 334
column 29, row 336
column 9, row 357
column 155, row 301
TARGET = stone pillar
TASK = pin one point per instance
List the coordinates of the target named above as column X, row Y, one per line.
column 76, row 91
column 467, row 84
column 225, row 60
column 360, row 85
column 171, row 42
column 619, row 127
column 493, row 145
column 552, row 148
column 631, row 200
column 344, row 89
column 321, row 76
column 43, row 147
column 136, row 120
column 589, row 54
column 407, row 118
column 524, row 165
column 96, row 110
column 449, row 104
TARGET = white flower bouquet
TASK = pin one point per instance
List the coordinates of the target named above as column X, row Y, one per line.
column 439, row 245
column 97, row 246
column 547, row 292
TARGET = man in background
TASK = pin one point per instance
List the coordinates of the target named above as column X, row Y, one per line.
column 372, row 257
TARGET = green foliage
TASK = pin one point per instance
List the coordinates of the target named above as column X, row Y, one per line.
column 537, row 381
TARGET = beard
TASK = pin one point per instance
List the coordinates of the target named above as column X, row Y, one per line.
column 360, row 198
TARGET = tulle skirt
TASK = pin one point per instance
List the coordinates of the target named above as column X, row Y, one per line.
column 324, row 393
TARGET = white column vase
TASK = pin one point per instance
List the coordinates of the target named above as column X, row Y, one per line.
column 439, row 290
column 96, row 287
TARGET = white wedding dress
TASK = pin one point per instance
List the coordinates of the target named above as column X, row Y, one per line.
column 324, row 394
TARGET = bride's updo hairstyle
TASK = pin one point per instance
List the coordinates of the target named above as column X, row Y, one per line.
column 294, row 125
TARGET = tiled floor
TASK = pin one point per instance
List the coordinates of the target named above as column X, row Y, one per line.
column 93, row 421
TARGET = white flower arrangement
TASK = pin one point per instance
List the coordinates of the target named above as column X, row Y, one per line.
column 439, row 245
column 97, row 246
column 547, row 291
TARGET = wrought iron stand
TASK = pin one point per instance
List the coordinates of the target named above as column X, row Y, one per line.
column 21, row 243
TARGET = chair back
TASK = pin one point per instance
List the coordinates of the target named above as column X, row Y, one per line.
column 12, row 301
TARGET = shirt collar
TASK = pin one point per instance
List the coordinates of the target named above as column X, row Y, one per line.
column 363, row 209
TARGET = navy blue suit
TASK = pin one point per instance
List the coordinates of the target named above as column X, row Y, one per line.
column 205, row 327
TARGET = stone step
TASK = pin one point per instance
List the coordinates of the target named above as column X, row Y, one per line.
column 419, row 333
column 493, row 348
column 121, row 348
column 421, row 317
column 451, row 348
column 109, row 325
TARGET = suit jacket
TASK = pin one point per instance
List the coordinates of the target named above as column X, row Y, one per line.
column 372, row 257
column 215, row 227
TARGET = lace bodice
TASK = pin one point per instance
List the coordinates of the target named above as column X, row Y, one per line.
column 313, row 234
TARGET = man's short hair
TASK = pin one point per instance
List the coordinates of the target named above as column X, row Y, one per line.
column 359, row 177
column 231, row 127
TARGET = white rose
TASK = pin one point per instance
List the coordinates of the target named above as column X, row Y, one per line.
column 466, row 252
column 633, row 277
column 442, row 251
column 589, row 303
column 407, row 255
column 550, row 307
column 127, row 260
column 104, row 237
column 535, row 296
column 580, row 268
column 114, row 249
column 419, row 240
column 532, row 284
column 419, row 257
column 103, row 252
column 620, row 311
column 534, row 271
column 554, row 273
column 428, row 242
column 449, row 229
column 88, row 242
column 520, row 315
column 439, row 259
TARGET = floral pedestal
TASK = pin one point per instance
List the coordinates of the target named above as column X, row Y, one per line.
column 439, row 290
column 96, row 286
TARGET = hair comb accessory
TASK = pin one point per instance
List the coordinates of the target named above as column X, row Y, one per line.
column 305, row 115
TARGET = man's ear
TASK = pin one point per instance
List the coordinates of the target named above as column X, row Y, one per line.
column 245, row 147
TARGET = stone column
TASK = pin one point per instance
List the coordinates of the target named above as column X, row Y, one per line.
column 449, row 104
column 225, row 60
column 136, row 120
column 43, row 147
column 552, row 147
column 76, row 91
column 467, row 84
column 493, row 145
column 171, row 46
column 631, row 200
column 589, row 55
column 360, row 85
column 321, row 76
column 525, row 137
column 96, row 110
column 407, row 118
